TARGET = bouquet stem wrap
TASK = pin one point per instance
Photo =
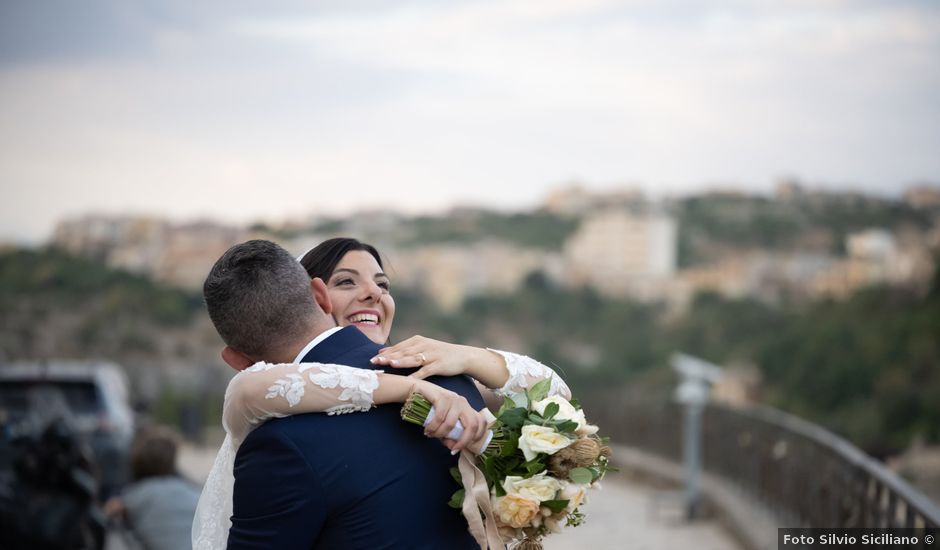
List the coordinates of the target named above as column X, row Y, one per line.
column 477, row 446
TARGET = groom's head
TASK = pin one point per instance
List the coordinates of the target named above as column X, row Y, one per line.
column 263, row 303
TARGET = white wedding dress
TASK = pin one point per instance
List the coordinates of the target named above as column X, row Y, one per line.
column 266, row 391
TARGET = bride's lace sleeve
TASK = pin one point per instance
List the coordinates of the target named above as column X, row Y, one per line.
column 266, row 391
column 524, row 372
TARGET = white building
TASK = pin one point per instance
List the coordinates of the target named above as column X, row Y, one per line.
column 449, row 273
column 624, row 253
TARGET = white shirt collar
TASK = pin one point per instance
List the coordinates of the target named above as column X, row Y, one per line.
column 313, row 343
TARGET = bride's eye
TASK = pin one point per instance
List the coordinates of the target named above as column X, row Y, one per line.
column 343, row 282
column 384, row 285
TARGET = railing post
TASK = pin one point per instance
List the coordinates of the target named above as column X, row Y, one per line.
column 696, row 379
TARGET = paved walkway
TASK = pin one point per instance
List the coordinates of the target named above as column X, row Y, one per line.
column 623, row 516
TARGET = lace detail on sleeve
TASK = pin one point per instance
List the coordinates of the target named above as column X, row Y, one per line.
column 264, row 391
column 524, row 372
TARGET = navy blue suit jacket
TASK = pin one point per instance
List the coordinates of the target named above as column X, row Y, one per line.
column 359, row 480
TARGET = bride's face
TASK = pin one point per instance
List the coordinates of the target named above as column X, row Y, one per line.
column 359, row 291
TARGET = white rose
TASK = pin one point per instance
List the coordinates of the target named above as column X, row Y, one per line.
column 538, row 487
column 566, row 410
column 541, row 439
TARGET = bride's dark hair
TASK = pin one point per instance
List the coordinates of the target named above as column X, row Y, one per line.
column 321, row 260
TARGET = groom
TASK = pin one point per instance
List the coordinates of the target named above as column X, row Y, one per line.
column 352, row 481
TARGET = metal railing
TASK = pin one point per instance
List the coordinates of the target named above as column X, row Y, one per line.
column 803, row 474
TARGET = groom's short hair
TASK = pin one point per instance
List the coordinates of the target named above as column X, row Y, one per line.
column 259, row 298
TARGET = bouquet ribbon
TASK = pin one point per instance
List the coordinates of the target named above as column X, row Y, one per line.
column 476, row 499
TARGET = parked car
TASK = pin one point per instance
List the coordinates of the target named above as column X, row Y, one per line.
column 92, row 395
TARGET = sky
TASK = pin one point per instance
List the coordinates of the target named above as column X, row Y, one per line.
column 244, row 111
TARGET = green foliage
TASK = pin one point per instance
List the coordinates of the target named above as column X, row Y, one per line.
column 513, row 418
column 580, row 475
column 537, row 230
column 539, row 391
column 556, row 505
column 52, row 277
column 456, row 500
column 746, row 221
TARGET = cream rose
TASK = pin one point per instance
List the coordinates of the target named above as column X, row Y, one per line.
column 541, row 439
column 538, row 487
column 515, row 510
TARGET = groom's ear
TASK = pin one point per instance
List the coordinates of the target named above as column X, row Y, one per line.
column 321, row 295
column 236, row 359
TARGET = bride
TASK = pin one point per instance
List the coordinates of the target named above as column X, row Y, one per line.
column 360, row 294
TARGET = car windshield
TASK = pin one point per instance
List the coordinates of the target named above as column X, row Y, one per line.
column 81, row 397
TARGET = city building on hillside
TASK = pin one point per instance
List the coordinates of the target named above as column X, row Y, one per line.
column 128, row 242
column 191, row 250
column 923, row 196
column 578, row 201
column 623, row 253
column 449, row 273
column 570, row 201
column 788, row 190
column 180, row 255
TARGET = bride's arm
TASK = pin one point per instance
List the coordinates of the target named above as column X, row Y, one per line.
column 502, row 372
column 266, row 391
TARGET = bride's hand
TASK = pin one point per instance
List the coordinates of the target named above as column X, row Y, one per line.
column 444, row 359
column 449, row 407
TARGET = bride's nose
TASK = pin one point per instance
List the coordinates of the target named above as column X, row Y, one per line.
column 371, row 291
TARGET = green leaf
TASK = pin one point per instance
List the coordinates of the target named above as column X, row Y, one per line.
column 455, row 473
column 539, row 391
column 510, row 447
column 555, row 505
column 513, row 418
column 580, row 475
column 534, row 466
column 534, row 418
column 521, row 400
column 498, row 490
column 575, row 403
column 550, row 411
column 507, row 405
column 456, row 500
column 567, row 426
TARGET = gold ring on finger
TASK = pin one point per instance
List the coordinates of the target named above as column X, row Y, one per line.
column 422, row 359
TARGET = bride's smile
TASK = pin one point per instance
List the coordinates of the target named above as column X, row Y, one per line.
column 359, row 292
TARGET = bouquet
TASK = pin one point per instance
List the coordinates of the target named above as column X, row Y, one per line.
column 538, row 459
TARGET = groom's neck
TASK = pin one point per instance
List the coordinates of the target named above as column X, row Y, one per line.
column 288, row 353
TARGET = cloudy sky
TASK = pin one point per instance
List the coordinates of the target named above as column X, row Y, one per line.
column 273, row 109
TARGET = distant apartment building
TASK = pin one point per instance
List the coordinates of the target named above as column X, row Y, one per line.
column 923, row 196
column 733, row 277
column 876, row 257
column 450, row 273
column 128, row 242
column 178, row 254
column 623, row 253
column 191, row 250
column 576, row 201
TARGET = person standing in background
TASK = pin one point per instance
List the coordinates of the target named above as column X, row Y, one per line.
column 159, row 505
